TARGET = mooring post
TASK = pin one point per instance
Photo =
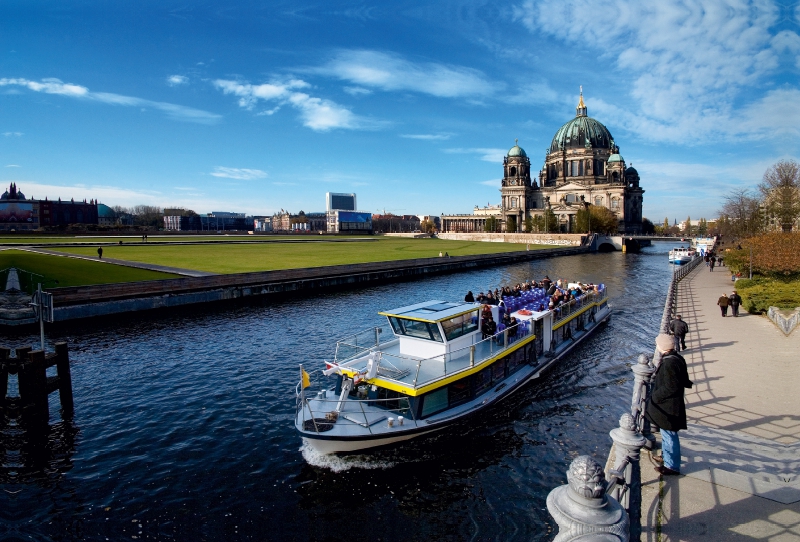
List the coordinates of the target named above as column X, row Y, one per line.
column 582, row 509
column 64, row 379
column 35, row 368
column 627, row 443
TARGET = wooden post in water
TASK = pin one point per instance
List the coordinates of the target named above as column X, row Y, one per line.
column 37, row 372
column 64, row 379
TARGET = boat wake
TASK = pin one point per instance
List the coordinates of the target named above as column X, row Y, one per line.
column 337, row 463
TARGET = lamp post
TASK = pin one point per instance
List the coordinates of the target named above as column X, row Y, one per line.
column 751, row 262
column 546, row 212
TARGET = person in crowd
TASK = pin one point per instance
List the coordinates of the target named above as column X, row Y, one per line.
column 512, row 327
column 711, row 264
column 705, row 258
column 481, row 298
column 469, row 298
column 723, row 304
column 720, row 261
column 546, row 282
column 490, row 299
column 678, row 329
column 734, row 300
column 552, row 289
column 666, row 407
column 489, row 326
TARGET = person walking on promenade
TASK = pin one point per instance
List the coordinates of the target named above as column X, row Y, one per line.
column 666, row 407
column 734, row 300
column 678, row 328
column 723, row 304
column 711, row 263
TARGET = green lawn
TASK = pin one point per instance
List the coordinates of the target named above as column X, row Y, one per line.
column 69, row 271
column 238, row 258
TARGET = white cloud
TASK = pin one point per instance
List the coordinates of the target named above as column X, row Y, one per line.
column 486, row 154
column 319, row 114
column 55, row 86
column 494, row 183
column 176, row 80
column 13, row 165
column 427, row 137
column 12, row 134
column 357, row 91
column 393, row 73
column 689, row 64
column 238, row 173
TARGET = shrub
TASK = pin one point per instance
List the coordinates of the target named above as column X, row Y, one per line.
column 761, row 293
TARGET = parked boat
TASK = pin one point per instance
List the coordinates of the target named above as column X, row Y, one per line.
column 682, row 255
column 433, row 366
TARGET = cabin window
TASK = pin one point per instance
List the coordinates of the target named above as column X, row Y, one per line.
column 415, row 328
column 434, row 402
column 517, row 359
column 460, row 325
column 483, row 380
column 459, row 392
column 499, row 370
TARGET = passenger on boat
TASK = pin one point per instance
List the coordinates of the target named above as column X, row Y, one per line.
column 490, row 299
column 546, row 282
column 489, row 326
column 469, row 298
column 512, row 327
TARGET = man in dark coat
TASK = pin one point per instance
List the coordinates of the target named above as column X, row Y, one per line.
column 678, row 328
column 666, row 407
column 734, row 300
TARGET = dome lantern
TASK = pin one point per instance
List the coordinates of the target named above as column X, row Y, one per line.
column 580, row 111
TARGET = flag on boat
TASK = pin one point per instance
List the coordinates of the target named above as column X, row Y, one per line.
column 306, row 379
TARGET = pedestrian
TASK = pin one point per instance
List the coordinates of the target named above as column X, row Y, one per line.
column 440, row 254
column 723, row 304
column 100, row 252
column 711, row 264
column 666, row 407
column 678, row 328
column 734, row 300
column 720, row 262
column 705, row 258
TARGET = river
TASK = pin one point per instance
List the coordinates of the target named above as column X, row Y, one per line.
column 183, row 424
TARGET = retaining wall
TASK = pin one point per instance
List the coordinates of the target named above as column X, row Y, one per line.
column 559, row 239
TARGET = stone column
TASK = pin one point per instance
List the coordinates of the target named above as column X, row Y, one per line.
column 642, row 374
column 627, row 443
column 582, row 509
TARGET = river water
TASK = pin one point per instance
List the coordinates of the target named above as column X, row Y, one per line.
column 183, row 425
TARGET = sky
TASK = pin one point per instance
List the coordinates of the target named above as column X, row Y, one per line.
column 260, row 106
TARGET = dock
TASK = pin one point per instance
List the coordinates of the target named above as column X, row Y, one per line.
column 740, row 472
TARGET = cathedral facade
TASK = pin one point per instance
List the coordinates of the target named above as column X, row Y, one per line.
column 582, row 167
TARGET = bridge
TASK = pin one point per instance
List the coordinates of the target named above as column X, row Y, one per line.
column 628, row 243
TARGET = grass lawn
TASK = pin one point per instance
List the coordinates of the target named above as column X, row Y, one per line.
column 269, row 256
column 69, row 271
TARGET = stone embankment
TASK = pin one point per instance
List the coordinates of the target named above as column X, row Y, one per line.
column 557, row 239
column 100, row 300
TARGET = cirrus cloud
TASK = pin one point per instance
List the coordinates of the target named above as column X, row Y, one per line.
column 238, row 173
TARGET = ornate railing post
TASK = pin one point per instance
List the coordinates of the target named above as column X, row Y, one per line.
column 627, row 444
column 582, row 509
column 642, row 374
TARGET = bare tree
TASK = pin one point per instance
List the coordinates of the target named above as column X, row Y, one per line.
column 740, row 215
column 780, row 190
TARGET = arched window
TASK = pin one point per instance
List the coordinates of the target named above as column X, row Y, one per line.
column 513, row 203
column 615, row 203
column 512, row 171
column 615, row 177
column 598, row 200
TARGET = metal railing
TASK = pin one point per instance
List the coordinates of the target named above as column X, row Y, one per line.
column 358, row 417
column 564, row 311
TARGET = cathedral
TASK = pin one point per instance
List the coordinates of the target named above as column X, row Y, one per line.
column 582, row 167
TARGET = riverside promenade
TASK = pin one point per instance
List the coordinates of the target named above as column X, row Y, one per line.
column 741, row 453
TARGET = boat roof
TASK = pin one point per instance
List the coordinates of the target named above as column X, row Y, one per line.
column 432, row 311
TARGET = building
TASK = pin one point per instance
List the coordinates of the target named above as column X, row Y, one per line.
column 342, row 202
column 476, row 222
column 17, row 212
column 20, row 213
column 349, row 222
column 582, row 167
column 262, row 224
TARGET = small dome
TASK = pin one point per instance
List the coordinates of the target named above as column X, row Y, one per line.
column 104, row 211
column 631, row 171
column 516, row 150
column 615, row 158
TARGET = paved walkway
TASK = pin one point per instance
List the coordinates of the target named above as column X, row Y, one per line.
column 741, row 453
column 126, row 263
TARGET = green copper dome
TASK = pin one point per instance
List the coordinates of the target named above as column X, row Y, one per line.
column 582, row 132
column 516, row 150
column 615, row 158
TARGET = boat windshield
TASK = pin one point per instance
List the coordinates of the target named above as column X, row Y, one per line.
column 415, row 328
column 460, row 325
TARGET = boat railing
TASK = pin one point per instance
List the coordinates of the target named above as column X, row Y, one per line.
column 565, row 310
column 320, row 420
column 362, row 343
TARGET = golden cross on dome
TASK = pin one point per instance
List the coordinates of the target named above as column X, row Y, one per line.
column 516, row 142
column 580, row 103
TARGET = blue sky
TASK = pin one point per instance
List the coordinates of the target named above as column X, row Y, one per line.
column 261, row 106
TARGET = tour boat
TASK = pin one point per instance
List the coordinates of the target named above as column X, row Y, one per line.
column 682, row 255
column 432, row 365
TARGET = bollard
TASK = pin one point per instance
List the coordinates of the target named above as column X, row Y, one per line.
column 628, row 442
column 642, row 374
column 64, row 379
column 35, row 398
column 582, row 509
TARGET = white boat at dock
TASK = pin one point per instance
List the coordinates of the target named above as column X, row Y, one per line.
column 432, row 366
column 682, row 255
